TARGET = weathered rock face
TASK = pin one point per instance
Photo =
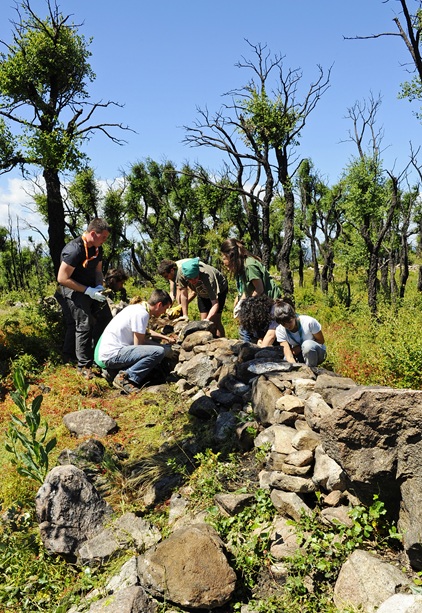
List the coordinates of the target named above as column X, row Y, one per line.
column 189, row 568
column 69, row 510
column 374, row 434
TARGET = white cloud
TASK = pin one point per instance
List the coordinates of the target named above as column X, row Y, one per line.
column 17, row 207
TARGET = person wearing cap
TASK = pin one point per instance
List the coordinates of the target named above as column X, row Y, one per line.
column 170, row 269
column 209, row 285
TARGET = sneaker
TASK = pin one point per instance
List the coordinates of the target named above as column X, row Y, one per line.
column 86, row 372
column 108, row 375
column 122, row 383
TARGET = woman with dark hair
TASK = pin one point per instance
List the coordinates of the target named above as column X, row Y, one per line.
column 251, row 276
column 256, row 318
column 300, row 336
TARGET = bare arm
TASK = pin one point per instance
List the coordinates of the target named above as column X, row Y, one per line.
column 268, row 339
column 288, row 355
column 258, row 287
column 213, row 310
column 99, row 279
column 184, row 300
column 173, row 291
column 64, row 278
column 162, row 337
column 319, row 337
column 138, row 338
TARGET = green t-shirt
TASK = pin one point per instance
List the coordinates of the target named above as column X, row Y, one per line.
column 254, row 269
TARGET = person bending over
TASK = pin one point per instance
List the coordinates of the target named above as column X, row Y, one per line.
column 300, row 336
column 204, row 281
column 251, row 276
column 256, row 318
column 126, row 346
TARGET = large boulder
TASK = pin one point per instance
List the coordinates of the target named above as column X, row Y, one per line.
column 189, row 568
column 69, row 510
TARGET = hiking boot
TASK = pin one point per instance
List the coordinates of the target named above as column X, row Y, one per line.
column 122, row 383
column 86, row 372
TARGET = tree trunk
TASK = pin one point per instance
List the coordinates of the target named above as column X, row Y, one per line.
column 420, row 279
column 301, row 264
column 372, row 283
column 283, row 257
column 55, row 214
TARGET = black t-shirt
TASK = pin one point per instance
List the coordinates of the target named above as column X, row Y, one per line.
column 74, row 254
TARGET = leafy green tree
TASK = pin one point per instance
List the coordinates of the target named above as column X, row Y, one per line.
column 44, row 110
column 174, row 211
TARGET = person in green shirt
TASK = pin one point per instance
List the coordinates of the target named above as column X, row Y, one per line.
column 251, row 276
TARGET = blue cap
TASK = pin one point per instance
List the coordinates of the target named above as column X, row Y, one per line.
column 190, row 268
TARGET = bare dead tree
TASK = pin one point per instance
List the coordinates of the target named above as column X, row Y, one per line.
column 409, row 30
column 258, row 132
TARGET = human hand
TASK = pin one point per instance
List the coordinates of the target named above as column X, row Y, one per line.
column 95, row 293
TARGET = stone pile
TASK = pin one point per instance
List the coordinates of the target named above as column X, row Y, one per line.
column 320, row 432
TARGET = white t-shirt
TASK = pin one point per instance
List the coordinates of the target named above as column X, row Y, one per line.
column 119, row 332
column 308, row 327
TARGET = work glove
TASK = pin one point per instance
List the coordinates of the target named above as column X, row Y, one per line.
column 95, row 293
column 174, row 312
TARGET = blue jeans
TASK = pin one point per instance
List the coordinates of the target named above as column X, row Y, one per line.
column 137, row 361
column 313, row 353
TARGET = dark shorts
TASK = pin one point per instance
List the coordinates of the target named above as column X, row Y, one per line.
column 204, row 304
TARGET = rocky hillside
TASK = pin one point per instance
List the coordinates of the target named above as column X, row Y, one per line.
column 327, row 447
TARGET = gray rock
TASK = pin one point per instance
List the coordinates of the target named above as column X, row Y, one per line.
column 328, row 475
column 315, row 409
column 265, row 365
column 132, row 599
column 69, row 510
column 287, row 483
column 402, row 603
column 89, row 422
column 289, row 504
column 131, row 529
column 233, row 503
column 264, row 397
column 195, row 326
column 225, row 426
column 366, row 580
column 200, row 337
column 283, row 539
column 203, row 407
column 197, row 371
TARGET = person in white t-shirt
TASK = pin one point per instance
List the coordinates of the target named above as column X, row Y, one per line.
column 300, row 336
column 125, row 345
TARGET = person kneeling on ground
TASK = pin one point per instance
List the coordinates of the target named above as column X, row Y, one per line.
column 124, row 345
column 300, row 335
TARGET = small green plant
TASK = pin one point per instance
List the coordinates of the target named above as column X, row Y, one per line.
column 210, row 476
column 27, row 436
column 322, row 549
column 246, row 535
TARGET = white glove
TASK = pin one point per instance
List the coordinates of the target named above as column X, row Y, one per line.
column 95, row 293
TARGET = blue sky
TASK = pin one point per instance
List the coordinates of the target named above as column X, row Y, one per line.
column 163, row 59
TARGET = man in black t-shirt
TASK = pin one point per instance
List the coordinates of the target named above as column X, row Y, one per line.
column 81, row 278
